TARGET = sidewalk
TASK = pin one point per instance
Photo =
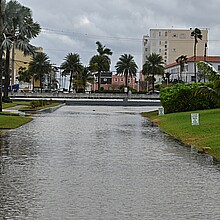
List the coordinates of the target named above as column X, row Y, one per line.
column 14, row 109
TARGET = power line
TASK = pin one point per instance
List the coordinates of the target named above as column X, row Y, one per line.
column 86, row 35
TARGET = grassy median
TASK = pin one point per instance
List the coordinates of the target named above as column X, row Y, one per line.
column 206, row 134
column 11, row 121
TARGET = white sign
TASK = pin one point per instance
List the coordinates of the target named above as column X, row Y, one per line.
column 161, row 111
column 195, row 118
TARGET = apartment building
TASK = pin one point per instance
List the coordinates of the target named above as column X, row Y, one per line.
column 172, row 43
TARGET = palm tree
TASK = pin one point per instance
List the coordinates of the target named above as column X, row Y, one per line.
column 85, row 76
column 101, row 62
column 153, row 66
column 19, row 28
column 181, row 60
column 197, row 34
column 126, row 66
column 71, row 65
column 39, row 67
column 1, row 52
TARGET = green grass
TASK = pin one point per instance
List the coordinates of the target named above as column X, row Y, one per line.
column 12, row 104
column 39, row 108
column 9, row 121
column 207, row 134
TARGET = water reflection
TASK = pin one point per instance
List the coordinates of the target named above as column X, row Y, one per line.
column 102, row 163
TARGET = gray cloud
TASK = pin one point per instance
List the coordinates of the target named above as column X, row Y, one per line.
column 118, row 24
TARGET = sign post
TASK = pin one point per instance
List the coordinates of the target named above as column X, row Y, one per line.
column 195, row 118
column 161, row 111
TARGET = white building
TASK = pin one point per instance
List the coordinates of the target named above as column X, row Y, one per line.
column 188, row 74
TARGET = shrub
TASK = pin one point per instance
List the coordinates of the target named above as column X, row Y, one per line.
column 181, row 97
column 40, row 103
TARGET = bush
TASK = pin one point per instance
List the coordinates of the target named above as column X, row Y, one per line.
column 40, row 103
column 181, row 97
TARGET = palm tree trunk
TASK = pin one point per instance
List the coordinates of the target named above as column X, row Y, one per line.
column 41, row 84
column 195, row 61
column 71, row 76
column 7, row 74
column 1, row 27
column 99, row 81
column 33, row 84
column 153, row 83
column 13, row 65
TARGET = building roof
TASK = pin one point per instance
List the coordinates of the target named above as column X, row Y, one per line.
column 210, row 59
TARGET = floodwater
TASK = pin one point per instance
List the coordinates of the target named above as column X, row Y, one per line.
column 103, row 163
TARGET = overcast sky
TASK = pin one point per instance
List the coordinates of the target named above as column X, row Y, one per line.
column 75, row 25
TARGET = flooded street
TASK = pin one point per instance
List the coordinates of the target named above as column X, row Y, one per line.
column 103, row 163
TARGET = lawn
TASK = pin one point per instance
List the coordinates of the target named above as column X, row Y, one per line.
column 206, row 134
column 9, row 121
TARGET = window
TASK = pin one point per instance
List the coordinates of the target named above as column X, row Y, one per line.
column 165, row 46
column 193, row 78
column 105, row 80
column 174, row 35
column 174, row 50
column 121, row 79
column 218, row 67
column 116, row 80
column 165, row 53
column 165, row 33
column 129, row 80
column 182, row 36
column 159, row 34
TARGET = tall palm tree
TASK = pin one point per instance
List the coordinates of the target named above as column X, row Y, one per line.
column 71, row 65
column 197, row 34
column 153, row 66
column 181, row 60
column 39, row 67
column 101, row 62
column 19, row 29
column 126, row 66
column 1, row 51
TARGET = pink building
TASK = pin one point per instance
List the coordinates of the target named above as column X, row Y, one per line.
column 110, row 81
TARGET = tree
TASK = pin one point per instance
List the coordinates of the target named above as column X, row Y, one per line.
column 153, row 66
column 197, row 34
column 39, row 67
column 24, row 75
column 208, row 71
column 71, row 65
column 101, row 62
column 126, row 66
column 1, row 52
column 85, row 76
column 19, row 29
column 181, row 60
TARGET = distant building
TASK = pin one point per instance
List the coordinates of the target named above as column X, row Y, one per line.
column 110, row 81
column 188, row 72
column 20, row 61
column 172, row 43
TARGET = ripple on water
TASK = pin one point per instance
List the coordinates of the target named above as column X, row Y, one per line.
column 77, row 163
